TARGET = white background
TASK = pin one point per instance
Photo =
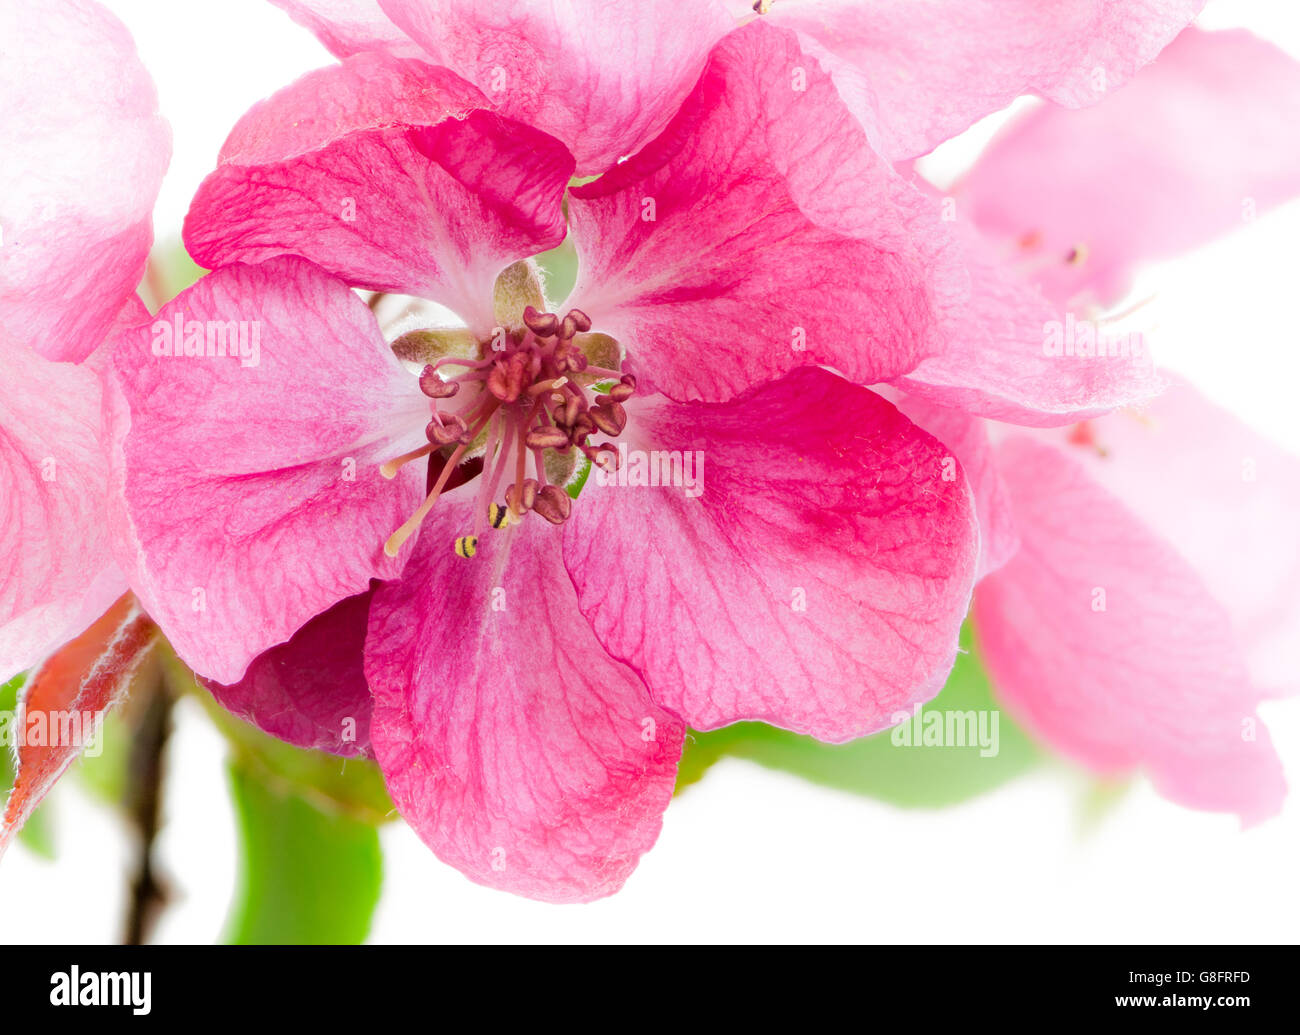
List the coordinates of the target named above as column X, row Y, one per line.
column 748, row 853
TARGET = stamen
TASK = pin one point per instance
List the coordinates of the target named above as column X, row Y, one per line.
column 404, row 533
column 535, row 413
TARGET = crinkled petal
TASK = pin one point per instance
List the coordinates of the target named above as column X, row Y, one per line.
column 311, row 691
column 348, row 27
column 251, row 482
column 602, row 77
column 58, row 575
column 520, row 752
column 1006, row 357
column 1228, row 500
column 1201, row 141
column 919, row 73
column 968, row 439
column 391, row 175
column 1104, row 641
column 760, row 232
column 815, row 576
column 82, row 155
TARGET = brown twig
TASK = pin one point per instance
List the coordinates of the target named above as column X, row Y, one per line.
column 145, row 768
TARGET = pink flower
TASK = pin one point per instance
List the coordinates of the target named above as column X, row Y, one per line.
column 82, row 153
column 529, row 703
column 1144, row 590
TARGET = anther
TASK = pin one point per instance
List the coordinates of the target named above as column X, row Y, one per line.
column 522, row 499
column 577, row 361
column 467, row 546
column 572, row 411
column 507, row 379
column 609, row 416
column 544, row 325
column 607, row 457
column 445, row 429
column 435, row 387
column 553, row 503
column 548, row 437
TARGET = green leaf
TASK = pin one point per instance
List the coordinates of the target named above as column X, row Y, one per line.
column 310, row 862
column 875, row 766
column 38, row 833
column 310, row 873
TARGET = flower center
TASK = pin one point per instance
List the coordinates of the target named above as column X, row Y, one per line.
column 521, row 415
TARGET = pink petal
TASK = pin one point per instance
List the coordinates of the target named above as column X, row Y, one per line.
column 519, row 751
column 312, row 690
column 388, row 174
column 348, row 27
column 1227, row 499
column 1155, row 680
column 779, row 238
column 68, row 696
column 817, row 582
column 58, row 574
column 602, row 77
column 1198, row 143
column 252, row 489
column 997, row 364
column 917, row 74
column 82, row 154
column 968, row 439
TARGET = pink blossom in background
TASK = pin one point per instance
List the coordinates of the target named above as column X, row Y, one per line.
column 1153, row 601
column 82, row 153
